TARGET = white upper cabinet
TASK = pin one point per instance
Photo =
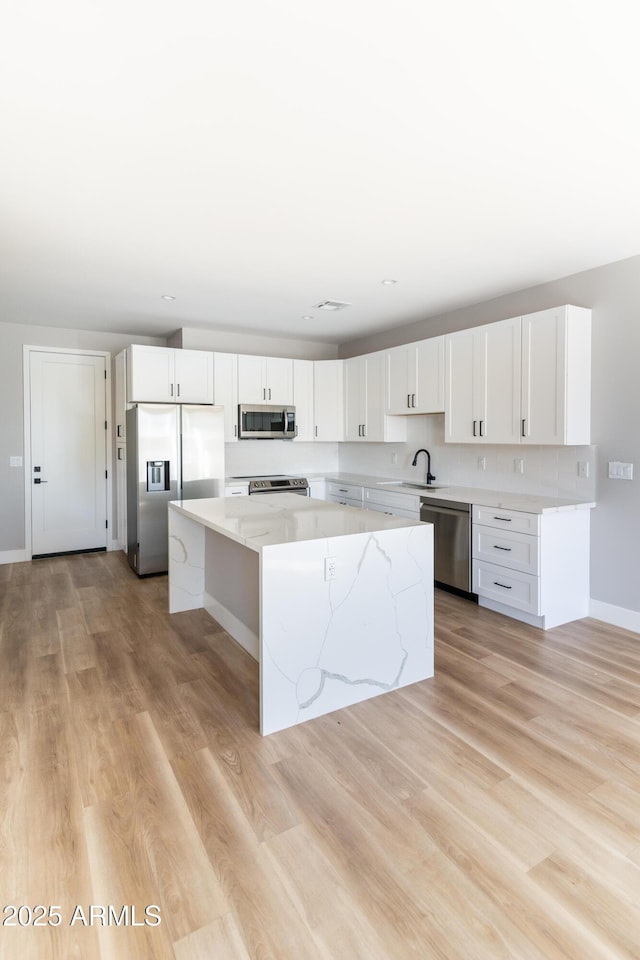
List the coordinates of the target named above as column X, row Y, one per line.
column 265, row 380
column 225, row 391
column 483, row 384
column 328, row 407
column 524, row 380
column 556, row 376
column 165, row 375
column 303, row 398
column 415, row 377
column 364, row 401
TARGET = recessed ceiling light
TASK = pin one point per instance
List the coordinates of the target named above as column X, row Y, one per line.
column 307, row 318
column 167, row 296
column 388, row 283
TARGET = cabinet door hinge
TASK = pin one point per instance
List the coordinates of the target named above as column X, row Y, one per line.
column 105, row 424
column 106, row 474
column 105, row 374
column 106, row 523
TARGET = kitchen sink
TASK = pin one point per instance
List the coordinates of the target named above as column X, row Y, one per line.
column 406, row 483
column 423, row 486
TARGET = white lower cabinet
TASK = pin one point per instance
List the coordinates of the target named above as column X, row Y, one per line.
column 348, row 494
column 318, row 488
column 236, row 490
column 394, row 504
column 517, row 551
column 506, row 586
column 374, row 498
column 532, row 567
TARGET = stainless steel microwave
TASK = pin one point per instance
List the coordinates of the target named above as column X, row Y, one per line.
column 264, row 421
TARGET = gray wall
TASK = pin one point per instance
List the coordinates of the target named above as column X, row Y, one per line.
column 613, row 294
column 230, row 341
column 12, row 338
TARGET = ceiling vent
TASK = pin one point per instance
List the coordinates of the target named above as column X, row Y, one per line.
column 331, row 305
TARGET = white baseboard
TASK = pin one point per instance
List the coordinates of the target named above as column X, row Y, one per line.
column 114, row 545
column 13, row 556
column 618, row 616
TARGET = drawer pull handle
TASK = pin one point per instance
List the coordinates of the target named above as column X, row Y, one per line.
column 503, row 585
column 503, row 519
column 506, row 549
column 342, row 490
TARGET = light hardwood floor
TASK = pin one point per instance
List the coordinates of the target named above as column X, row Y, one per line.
column 492, row 812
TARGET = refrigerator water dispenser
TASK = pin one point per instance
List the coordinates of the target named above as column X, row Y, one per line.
column 157, row 475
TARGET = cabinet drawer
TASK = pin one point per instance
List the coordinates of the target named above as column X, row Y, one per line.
column 389, row 499
column 507, row 519
column 344, row 501
column 393, row 511
column 237, row 490
column 351, row 491
column 511, row 587
column 507, row 548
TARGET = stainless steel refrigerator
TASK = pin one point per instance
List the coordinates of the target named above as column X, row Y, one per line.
column 174, row 452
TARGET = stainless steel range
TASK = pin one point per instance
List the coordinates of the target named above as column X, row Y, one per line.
column 277, row 483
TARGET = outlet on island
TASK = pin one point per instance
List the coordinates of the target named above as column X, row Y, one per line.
column 330, row 568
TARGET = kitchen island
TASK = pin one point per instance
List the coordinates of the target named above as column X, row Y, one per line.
column 335, row 604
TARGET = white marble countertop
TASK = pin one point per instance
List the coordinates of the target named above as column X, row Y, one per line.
column 281, row 518
column 527, row 503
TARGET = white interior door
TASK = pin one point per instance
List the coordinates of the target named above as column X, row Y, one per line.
column 68, row 452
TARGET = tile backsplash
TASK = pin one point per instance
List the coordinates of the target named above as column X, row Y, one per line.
column 254, row 457
column 547, row 471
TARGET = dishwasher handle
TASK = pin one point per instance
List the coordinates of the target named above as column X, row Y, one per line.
column 448, row 511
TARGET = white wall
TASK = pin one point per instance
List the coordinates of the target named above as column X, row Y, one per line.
column 613, row 294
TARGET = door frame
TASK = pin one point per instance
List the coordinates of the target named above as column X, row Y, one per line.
column 27, row 350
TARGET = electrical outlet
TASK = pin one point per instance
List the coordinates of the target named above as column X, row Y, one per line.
column 330, row 565
column 15, row 461
column 583, row 469
column 518, row 465
column 482, row 463
column 394, row 459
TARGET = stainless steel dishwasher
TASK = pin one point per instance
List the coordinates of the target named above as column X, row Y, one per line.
column 451, row 541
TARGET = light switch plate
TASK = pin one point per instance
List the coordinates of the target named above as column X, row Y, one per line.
column 619, row 470
column 15, row 461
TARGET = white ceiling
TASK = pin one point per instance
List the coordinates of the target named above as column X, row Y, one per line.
column 254, row 157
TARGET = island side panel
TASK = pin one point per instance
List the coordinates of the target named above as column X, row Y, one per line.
column 186, row 563
column 327, row 644
column 232, row 593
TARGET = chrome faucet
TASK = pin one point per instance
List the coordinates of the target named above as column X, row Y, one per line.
column 414, row 463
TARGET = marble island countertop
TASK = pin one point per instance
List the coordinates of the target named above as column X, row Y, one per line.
column 282, row 518
column 505, row 500
column 335, row 603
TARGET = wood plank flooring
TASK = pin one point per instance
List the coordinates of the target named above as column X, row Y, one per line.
column 492, row 812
